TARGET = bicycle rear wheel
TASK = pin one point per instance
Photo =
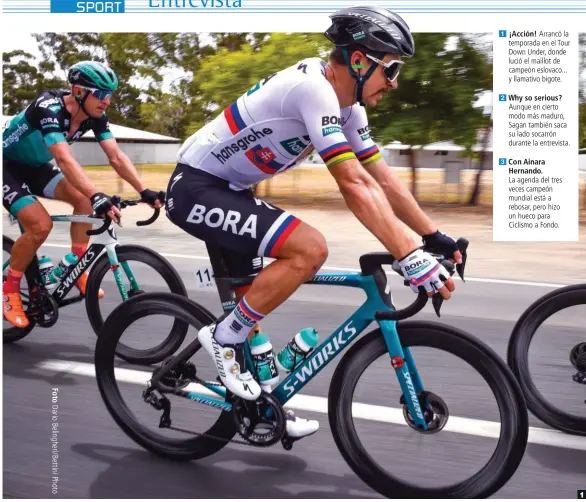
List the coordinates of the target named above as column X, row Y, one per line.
column 150, row 304
column 518, row 356
column 514, row 427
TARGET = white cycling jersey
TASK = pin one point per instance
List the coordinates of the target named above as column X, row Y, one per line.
column 277, row 124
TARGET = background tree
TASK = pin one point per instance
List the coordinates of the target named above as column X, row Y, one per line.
column 435, row 98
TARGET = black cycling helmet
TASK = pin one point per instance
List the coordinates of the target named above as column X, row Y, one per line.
column 374, row 29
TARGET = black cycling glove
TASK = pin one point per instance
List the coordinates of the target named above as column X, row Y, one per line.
column 101, row 203
column 439, row 243
column 149, row 196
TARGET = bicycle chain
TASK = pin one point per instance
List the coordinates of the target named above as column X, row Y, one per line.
column 211, row 436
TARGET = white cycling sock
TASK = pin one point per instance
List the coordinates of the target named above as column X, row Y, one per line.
column 236, row 327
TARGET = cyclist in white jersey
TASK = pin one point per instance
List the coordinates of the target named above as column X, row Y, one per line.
column 272, row 127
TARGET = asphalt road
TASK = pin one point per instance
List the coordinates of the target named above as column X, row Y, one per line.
column 96, row 459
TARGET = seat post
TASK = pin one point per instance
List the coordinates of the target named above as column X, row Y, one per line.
column 222, row 277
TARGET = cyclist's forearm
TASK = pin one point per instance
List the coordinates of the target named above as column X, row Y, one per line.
column 404, row 204
column 76, row 176
column 368, row 202
column 127, row 171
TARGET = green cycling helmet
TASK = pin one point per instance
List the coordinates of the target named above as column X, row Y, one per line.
column 93, row 75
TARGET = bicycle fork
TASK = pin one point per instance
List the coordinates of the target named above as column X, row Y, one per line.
column 115, row 267
column 404, row 365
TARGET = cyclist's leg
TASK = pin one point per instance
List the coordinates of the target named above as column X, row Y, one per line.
column 239, row 265
column 36, row 224
column 207, row 208
column 57, row 187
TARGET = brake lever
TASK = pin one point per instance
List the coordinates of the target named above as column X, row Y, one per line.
column 462, row 246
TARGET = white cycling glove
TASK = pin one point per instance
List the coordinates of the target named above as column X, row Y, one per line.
column 422, row 269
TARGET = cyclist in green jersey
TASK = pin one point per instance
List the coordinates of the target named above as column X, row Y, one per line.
column 44, row 132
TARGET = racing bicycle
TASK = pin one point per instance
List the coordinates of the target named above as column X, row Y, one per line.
column 262, row 423
column 42, row 307
column 518, row 357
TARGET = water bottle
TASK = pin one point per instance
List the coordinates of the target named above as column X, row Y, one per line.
column 297, row 349
column 264, row 360
column 65, row 265
column 46, row 268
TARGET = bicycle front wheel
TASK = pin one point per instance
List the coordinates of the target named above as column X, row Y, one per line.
column 139, row 266
column 518, row 356
column 419, row 337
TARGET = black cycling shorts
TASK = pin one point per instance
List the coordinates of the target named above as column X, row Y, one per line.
column 243, row 227
column 21, row 183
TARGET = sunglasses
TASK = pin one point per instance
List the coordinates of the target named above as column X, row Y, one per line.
column 101, row 95
column 391, row 69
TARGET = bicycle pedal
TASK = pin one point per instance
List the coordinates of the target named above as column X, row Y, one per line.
column 287, row 442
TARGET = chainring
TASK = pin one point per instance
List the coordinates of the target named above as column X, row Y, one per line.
column 250, row 415
column 44, row 309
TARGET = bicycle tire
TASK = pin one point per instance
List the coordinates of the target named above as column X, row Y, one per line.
column 125, row 314
column 518, row 356
column 514, row 427
column 13, row 334
column 173, row 280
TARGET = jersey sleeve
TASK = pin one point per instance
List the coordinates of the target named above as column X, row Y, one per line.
column 44, row 115
column 356, row 130
column 101, row 128
column 314, row 102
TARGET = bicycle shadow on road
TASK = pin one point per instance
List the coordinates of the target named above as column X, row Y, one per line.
column 22, row 360
column 231, row 473
column 564, row 460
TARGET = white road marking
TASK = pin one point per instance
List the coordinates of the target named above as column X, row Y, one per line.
column 345, row 269
column 469, row 426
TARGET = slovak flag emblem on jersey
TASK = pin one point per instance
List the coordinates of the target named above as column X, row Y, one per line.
column 264, row 159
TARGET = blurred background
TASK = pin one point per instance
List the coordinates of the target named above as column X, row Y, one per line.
column 435, row 129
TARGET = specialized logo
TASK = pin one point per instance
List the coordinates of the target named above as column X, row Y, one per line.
column 371, row 19
column 175, row 180
column 71, row 279
column 413, row 394
column 364, row 133
column 242, row 144
column 215, row 218
column 218, row 358
column 304, row 373
column 15, row 136
column 329, row 278
column 295, row 146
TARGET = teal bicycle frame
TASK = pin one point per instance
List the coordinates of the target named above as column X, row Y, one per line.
column 105, row 239
column 377, row 307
